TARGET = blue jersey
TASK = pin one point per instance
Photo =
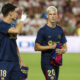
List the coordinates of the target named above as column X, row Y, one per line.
column 8, row 46
column 47, row 36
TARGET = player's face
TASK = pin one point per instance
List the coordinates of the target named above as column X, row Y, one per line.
column 52, row 16
column 14, row 15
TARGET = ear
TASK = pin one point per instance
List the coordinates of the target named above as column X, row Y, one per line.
column 10, row 13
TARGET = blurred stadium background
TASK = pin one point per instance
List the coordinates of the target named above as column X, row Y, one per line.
column 68, row 19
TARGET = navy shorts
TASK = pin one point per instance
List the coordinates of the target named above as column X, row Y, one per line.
column 50, row 72
column 9, row 70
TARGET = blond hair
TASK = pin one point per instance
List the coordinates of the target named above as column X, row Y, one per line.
column 51, row 8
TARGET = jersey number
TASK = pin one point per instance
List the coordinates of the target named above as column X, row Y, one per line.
column 3, row 73
column 51, row 72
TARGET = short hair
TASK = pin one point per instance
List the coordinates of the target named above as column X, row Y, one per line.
column 51, row 8
column 7, row 8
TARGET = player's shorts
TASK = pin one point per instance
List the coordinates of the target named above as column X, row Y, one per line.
column 9, row 70
column 50, row 72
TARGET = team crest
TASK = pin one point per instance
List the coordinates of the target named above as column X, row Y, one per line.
column 59, row 36
column 50, row 42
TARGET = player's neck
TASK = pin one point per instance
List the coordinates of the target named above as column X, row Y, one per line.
column 7, row 20
column 52, row 25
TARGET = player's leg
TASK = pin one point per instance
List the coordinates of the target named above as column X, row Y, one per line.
column 15, row 75
column 43, row 67
column 57, row 72
column 49, row 72
column 5, row 69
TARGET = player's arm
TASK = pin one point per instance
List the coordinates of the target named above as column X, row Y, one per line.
column 39, row 47
column 20, row 59
column 16, row 30
column 19, row 26
column 63, row 41
column 63, row 49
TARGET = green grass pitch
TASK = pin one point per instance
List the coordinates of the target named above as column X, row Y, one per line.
column 69, row 71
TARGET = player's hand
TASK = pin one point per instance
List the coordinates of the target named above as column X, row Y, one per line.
column 60, row 51
column 23, row 17
column 21, row 64
column 53, row 46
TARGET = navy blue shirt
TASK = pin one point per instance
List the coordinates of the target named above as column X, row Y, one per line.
column 47, row 36
column 8, row 46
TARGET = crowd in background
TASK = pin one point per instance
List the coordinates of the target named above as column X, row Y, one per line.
column 68, row 14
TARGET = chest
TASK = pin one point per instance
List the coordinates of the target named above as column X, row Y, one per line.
column 53, row 35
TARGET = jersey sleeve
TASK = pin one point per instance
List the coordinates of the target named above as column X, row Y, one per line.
column 4, row 29
column 39, row 37
column 63, row 37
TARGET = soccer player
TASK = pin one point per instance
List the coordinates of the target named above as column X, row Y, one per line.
column 47, row 38
column 10, row 60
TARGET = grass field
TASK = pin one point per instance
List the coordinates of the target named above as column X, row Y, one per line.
column 69, row 71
